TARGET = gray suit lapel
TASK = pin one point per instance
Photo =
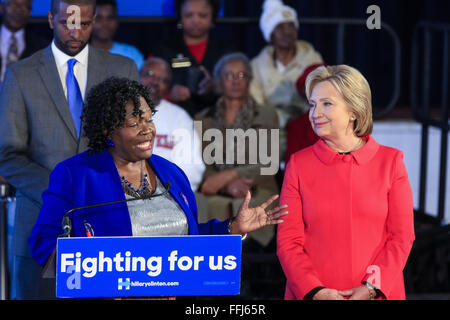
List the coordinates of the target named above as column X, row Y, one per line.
column 96, row 70
column 95, row 75
column 50, row 77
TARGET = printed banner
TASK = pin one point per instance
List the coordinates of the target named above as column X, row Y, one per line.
column 148, row 266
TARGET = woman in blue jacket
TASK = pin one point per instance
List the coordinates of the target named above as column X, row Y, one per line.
column 119, row 165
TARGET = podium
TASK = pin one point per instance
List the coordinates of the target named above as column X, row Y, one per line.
column 104, row 267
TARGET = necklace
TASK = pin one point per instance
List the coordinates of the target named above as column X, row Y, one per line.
column 358, row 145
column 143, row 191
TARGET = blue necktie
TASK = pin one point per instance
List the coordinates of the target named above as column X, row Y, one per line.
column 74, row 96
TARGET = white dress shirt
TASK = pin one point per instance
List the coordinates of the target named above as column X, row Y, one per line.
column 80, row 69
column 5, row 36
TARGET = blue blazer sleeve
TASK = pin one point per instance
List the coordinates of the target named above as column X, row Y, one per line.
column 214, row 227
column 84, row 180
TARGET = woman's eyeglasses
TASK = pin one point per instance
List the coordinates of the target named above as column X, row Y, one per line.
column 240, row 76
column 162, row 80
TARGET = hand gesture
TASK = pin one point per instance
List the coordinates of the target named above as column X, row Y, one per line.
column 179, row 93
column 206, row 85
column 214, row 183
column 238, row 188
column 251, row 219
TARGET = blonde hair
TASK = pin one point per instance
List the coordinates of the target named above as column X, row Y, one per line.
column 354, row 89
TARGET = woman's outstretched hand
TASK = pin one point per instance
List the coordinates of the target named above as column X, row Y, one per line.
column 251, row 219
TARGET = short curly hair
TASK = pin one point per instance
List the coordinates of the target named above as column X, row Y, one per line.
column 104, row 108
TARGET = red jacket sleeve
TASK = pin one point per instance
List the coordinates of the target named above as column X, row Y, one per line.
column 299, row 271
column 389, row 262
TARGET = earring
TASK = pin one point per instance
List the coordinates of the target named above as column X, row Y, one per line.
column 352, row 118
column 109, row 142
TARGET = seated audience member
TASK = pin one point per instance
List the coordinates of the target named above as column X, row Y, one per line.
column 229, row 176
column 105, row 27
column 299, row 130
column 176, row 140
column 17, row 40
column 192, row 54
column 278, row 66
column 299, row 135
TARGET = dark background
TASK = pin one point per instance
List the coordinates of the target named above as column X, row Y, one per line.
column 371, row 51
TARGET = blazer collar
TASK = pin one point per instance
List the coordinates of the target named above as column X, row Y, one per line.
column 50, row 77
column 97, row 71
column 361, row 156
column 109, row 165
column 61, row 58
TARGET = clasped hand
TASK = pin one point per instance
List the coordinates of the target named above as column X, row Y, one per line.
column 357, row 293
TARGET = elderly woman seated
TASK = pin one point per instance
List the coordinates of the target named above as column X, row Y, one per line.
column 238, row 138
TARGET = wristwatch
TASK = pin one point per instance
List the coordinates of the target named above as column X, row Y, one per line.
column 373, row 291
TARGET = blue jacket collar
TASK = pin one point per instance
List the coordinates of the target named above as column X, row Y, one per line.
column 165, row 171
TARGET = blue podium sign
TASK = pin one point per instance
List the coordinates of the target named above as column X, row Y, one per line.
column 148, row 266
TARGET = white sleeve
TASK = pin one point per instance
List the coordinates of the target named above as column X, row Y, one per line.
column 187, row 151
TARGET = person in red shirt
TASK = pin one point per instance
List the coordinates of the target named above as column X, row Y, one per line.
column 350, row 229
column 192, row 54
column 299, row 131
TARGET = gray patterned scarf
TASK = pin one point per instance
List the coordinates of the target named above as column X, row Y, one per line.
column 244, row 120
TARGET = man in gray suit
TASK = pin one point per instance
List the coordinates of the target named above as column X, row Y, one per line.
column 40, row 127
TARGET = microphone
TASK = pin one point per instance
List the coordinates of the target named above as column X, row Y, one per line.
column 67, row 222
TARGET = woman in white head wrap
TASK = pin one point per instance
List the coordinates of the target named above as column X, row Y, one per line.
column 278, row 66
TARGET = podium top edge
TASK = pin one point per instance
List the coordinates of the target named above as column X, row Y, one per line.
column 153, row 237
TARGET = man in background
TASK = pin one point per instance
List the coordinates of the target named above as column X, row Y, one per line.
column 17, row 41
column 176, row 139
column 41, row 102
column 105, row 27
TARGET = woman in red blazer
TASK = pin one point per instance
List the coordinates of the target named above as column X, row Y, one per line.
column 350, row 228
